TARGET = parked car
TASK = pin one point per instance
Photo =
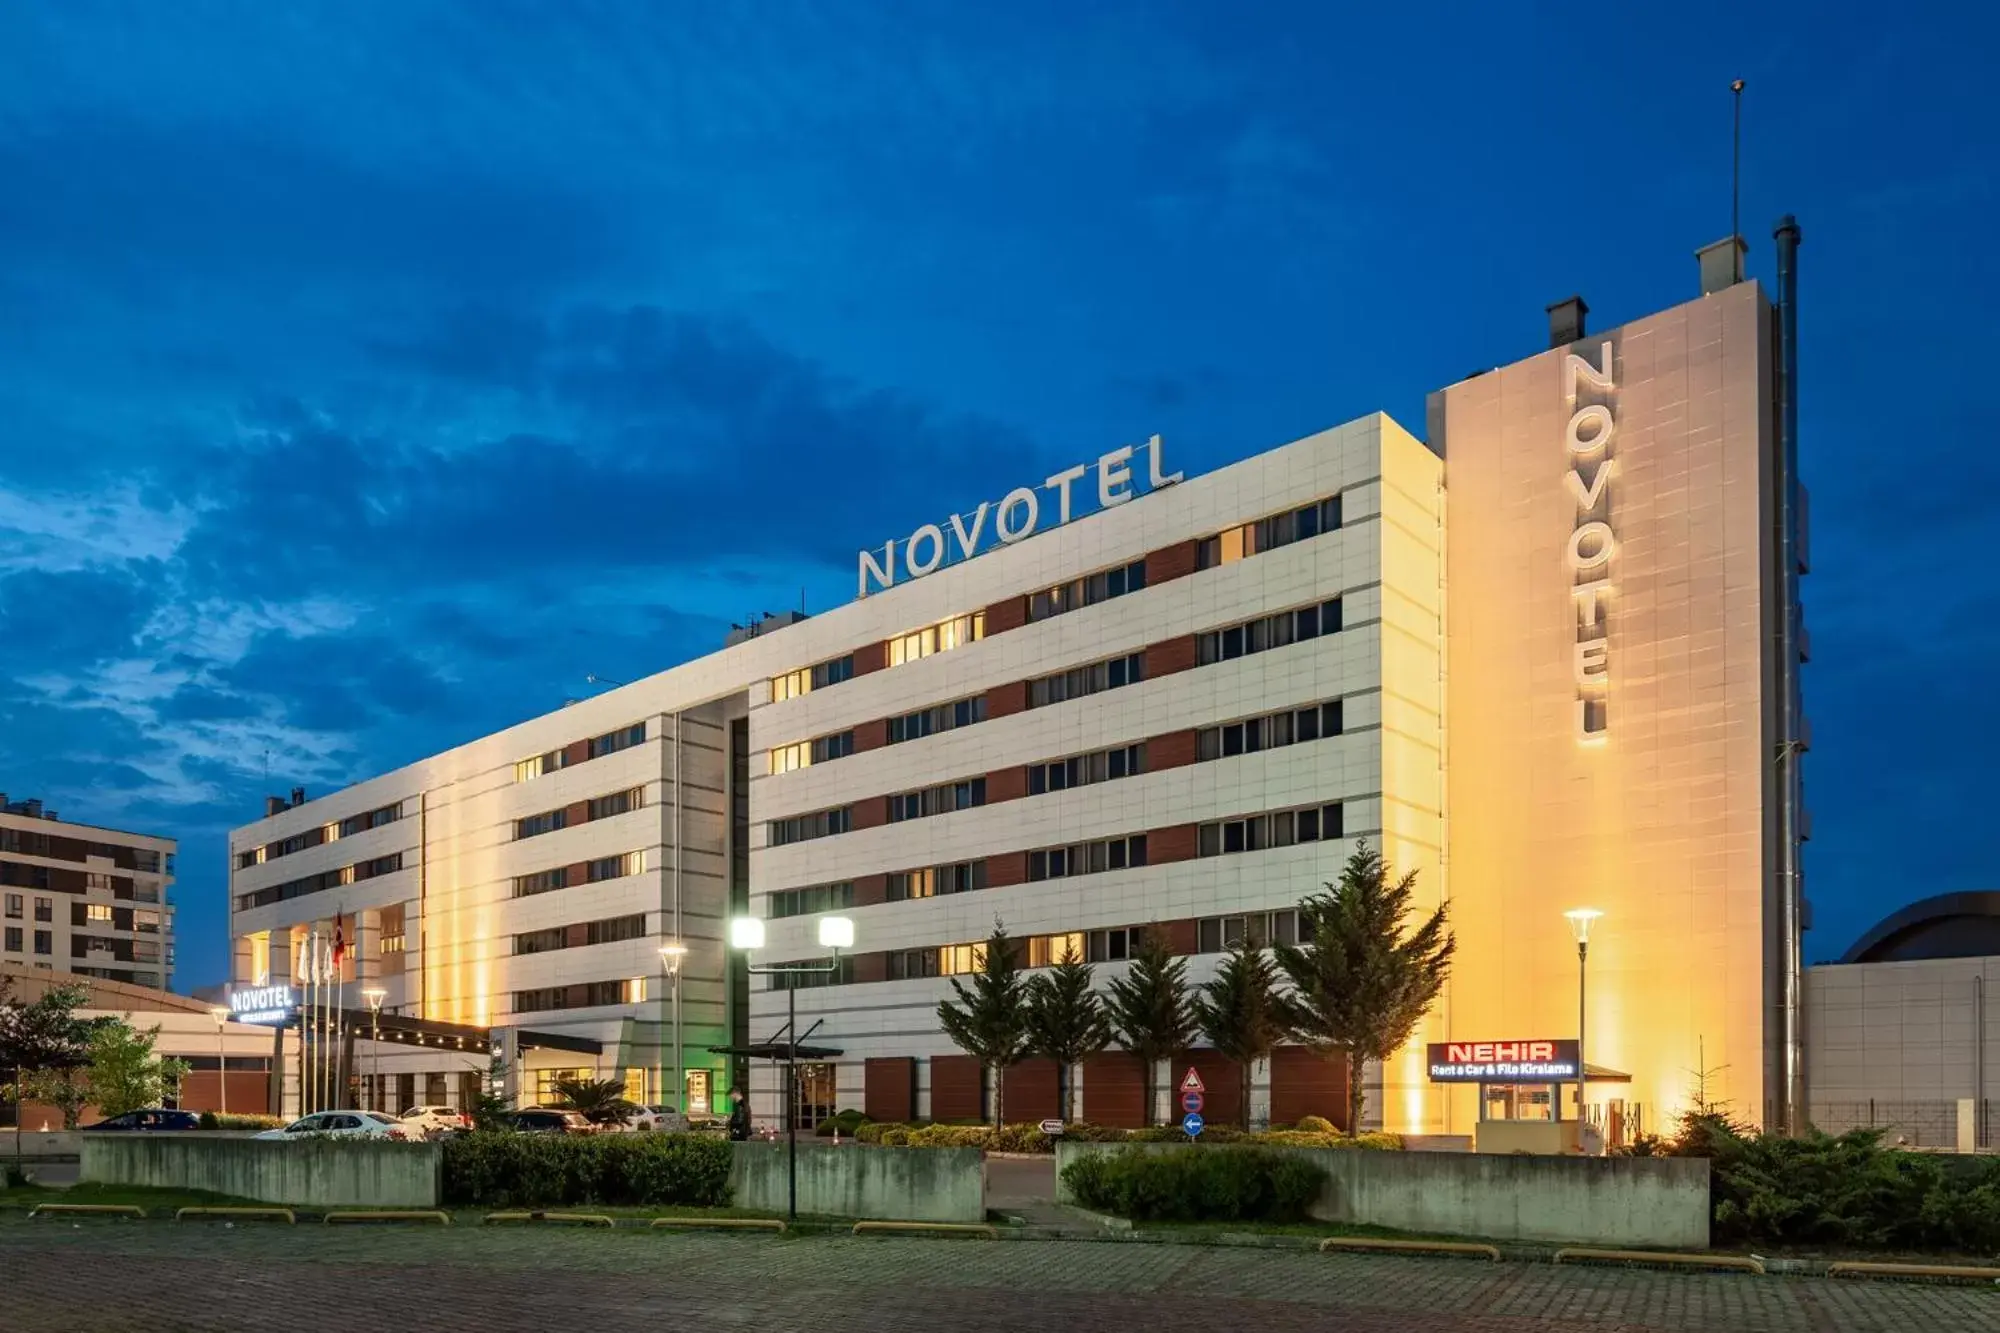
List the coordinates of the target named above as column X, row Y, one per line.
column 548, row 1120
column 344, row 1124
column 658, row 1119
column 430, row 1122
column 152, row 1119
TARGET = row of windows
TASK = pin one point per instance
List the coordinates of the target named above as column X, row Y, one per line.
column 1213, row 934
column 1088, row 858
column 937, row 800
column 939, row 638
column 1092, row 679
column 1315, row 823
column 1081, row 770
column 1264, row 534
column 603, row 868
column 1087, row 591
column 325, row 833
column 611, row 742
column 1291, row 727
column 960, row 877
column 939, row 717
column 816, row 677
column 602, row 807
column 45, row 942
column 588, row 995
column 44, row 908
column 804, row 754
column 1255, row 636
column 331, row 879
column 608, row 931
column 812, row 898
column 804, row 828
column 947, row 960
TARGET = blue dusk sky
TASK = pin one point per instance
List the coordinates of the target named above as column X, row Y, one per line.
column 372, row 371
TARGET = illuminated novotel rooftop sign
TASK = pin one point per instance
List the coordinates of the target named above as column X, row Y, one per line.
column 1017, row 515
column 262, row 1004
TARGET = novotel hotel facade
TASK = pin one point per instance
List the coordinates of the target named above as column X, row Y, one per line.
column 1546, row 658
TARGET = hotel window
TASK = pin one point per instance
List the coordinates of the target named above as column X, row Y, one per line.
column 95, row 880
column 1087, row 858
column 938, row 800
column 1087, row 591
column 617, row 803
column 1083, row 769
column 804, row 828
column 614, row 867
column 1113, row 946
column 1269, row 632
column 826, row 972
column 807, row 679
column 1213, row 934
column 45, row 942
column 955, row 960
column 530, row 769
column 906, row 964
column 542, row 881
column 1113, row 674
column 1291, row 727
column 13, row 939
column 939, row 638
column 813, row 898
column 1048, row 950
column 97, row 913
column 387, row 814
column 1294, row 525
column 590, row 994
column 1316, row 823
column 929, row 882
column 940, row 717
column 44, row 910
column 145, row 922
column 14, row 906
column 804, row 754
column 611, row 742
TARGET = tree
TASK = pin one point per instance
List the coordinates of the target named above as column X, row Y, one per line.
column 600, row 1101
column 990, row 1022
column 125, row 1075
column 1240, row 1012
column 44, row 1038
column 1148, row 1008
column 1361, row 983
column 67, row 1090
column 1066, row 1023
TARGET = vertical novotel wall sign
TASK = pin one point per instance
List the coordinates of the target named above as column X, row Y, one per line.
column 1017, row 515
column 1591, row 541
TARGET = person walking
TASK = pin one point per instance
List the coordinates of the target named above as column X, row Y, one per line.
column 739, row 1116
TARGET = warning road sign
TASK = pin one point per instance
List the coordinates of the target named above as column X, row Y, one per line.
column 1193, row 1083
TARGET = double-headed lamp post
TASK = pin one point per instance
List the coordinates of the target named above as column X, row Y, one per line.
column 1580, row 920
column 672, row 954
column 835, row 933
column 221, row 1017
column 375, row 995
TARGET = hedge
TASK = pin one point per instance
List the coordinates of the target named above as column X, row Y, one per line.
column 1240, row 1184
column 505, row 1170
column 214, row 1120
column 1028, row 1138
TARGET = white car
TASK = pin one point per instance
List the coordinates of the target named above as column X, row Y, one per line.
column 660, row 1119
column 429, row 1122
column 343, row 1125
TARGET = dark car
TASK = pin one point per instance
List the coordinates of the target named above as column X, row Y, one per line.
column 543, row 1120
column 155, row 1119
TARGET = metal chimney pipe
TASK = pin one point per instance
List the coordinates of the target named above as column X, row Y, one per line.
column 1789, row 713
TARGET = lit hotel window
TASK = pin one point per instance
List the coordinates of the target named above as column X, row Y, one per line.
column 1266, row 534
column 807, row 679
column 953, row 633
column 804, row 754
column 97, row 912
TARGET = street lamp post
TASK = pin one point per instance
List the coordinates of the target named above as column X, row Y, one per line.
column 1580, row 920
column 221, row 1017
column 375, row 995
column 835, row 933
column 671, row 955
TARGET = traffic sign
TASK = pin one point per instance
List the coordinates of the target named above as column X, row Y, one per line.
column 1193, row 1083
column 1192, row 1124
column 1191, row 1102
column 1052, row 1128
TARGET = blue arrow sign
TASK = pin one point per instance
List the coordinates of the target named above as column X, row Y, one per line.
column 1190, row 1101
column 1192, row 1124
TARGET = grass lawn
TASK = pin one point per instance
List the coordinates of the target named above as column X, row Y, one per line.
column 154, row 1201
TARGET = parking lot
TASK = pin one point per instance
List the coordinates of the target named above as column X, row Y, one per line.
column 97, row 1277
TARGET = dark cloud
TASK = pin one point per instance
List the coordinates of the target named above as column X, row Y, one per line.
column 199, row 703
column 65, row 621
column 342, row 683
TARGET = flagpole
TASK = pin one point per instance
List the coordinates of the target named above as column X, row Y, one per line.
column 306, row 951
column 312, row 1052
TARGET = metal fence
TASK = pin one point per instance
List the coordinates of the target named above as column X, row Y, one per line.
column 1926, row 1124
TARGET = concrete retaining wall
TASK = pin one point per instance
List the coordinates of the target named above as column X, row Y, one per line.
column 322, row 1172
column 1644, row 1201
column 54, row 1145
column 881, row 1184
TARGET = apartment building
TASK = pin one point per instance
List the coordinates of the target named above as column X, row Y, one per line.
column 83, row 899
column 1532, row 660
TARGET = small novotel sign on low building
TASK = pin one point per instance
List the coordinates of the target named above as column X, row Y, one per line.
column 262, row 1004
column 1535, row 1061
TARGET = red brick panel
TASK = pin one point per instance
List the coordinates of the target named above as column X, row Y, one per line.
column 1002, row 700
column 1223, row 1102
column 1010, row 614
column 1114, row 1090
column 871, row 813
column 576, row 752
column 1171, row 562
column 1032, row 1093
column 871, row 967
column 1176, row 749
column 1007, row 784
column 956, row 1081
column 577, row 814
column 871, row 735
column 1174, row 655
column 870, row 890
column 889, row 1088
column 577, row 936
column 1303, row 1084
column 871, row 657
column 1177, row 842
column 1182, row 937
column 1006, row 868
column 574, row 875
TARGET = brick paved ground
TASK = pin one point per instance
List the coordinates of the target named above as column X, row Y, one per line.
column 106, row 1277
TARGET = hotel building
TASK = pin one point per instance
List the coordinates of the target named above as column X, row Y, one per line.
column 1543, row 660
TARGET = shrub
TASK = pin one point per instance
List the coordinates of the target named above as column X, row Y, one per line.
column 502, row 1170
column 847, row 1122
column 1314, row 1124
column 873, row 1131
column 212, row 1120
column 1193, row 1185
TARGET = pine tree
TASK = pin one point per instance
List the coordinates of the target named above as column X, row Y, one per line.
column 1066, row 1023
column 1240, row 1013
column 990, row 1022
column 1361, row 984
column 1149, row 1010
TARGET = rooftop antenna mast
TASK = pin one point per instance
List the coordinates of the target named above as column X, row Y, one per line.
column 1736, row 179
